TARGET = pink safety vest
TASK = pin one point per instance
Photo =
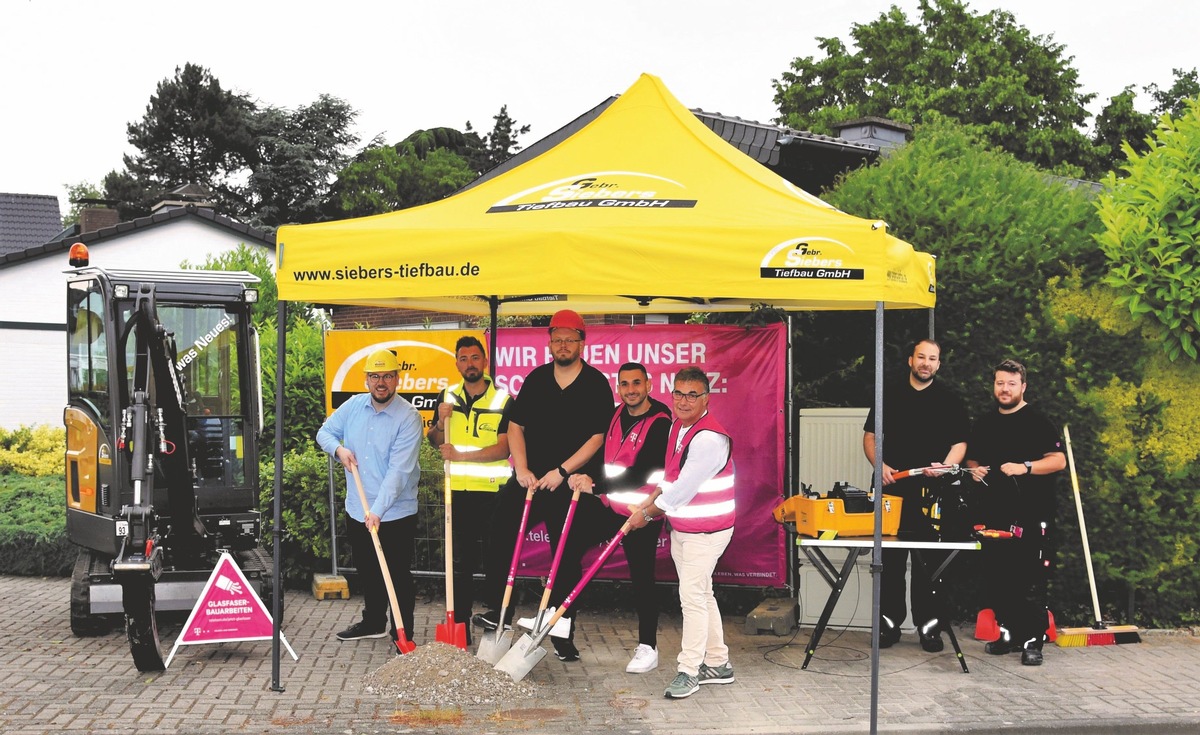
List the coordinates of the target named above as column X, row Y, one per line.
column 712, row 508
column 620, row 452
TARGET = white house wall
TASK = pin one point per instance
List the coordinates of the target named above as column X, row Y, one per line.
column 33, row 373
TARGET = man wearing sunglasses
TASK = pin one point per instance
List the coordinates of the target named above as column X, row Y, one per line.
column 697, row 497
column 556, row 428
column 380, row 433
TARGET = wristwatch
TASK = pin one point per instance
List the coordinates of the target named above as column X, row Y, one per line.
column 563, row 472
column 1028, row 467
column 647, row 517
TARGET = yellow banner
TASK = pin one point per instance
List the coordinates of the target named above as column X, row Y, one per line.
column 426, row 357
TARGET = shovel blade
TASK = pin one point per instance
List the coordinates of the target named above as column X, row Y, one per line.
column 493, row 645
column 451, row 633
column 521, row 658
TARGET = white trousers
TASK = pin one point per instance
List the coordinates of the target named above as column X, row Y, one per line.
column 696, row 556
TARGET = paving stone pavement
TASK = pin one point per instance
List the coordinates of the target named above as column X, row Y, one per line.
column 52, row 682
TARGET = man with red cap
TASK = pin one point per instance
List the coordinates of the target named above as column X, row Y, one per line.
column 556, row 428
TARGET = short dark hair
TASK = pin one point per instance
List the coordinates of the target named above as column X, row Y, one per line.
column 1010, row 366
column 469, row 341
column 695, row 374
column 927, row 340
column 633, row 366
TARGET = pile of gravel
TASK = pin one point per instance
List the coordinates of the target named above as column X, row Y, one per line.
column 441, row 675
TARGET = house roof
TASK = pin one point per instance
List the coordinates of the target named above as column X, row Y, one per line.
column 810, row 161
column 27, row 220
column 64, row 243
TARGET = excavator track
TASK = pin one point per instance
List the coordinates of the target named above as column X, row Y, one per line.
column 142, row 627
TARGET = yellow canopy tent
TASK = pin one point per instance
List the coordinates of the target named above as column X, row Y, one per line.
column 644, row 209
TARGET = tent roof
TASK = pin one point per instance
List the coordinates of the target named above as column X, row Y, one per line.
column 643, row 209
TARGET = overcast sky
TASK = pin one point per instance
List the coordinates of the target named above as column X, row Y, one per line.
column 75, row 73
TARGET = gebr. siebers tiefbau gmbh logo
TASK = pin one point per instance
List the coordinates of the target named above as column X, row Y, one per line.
column 810, row 258
column 599, row 190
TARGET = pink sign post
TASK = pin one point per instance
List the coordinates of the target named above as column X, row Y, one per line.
column 228, row 610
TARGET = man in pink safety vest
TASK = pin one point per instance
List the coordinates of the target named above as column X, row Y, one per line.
column 697, row 497
column 634, row 450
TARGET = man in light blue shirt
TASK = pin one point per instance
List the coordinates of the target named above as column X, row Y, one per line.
column 380, row 433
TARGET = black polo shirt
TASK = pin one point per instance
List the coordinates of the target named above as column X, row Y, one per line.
column 558, row 421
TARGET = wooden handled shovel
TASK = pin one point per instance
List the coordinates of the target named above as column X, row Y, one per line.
column 402, row 643
column 494, row 644
column 449, row 632
column 528, row 652
column 524, row 652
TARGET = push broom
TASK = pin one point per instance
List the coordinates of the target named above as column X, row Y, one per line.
column 1101, row 634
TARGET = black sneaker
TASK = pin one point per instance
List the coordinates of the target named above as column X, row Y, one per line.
column 932, row 643
column 1031, row 657
column 1000, row 647
column 889, row 634
column 931, row 637
column 489, row 620
column 565, row 649
column 361, row 630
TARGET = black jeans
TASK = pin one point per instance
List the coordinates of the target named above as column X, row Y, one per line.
column 471, row 517
column 396, row 539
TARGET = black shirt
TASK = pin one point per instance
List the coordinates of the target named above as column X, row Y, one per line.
column 1023, row 436
column 558, row 421
column 919, row 426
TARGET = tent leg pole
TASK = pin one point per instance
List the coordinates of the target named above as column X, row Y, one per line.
column 877, row 487
column 494, row 305
column 932, row 334
column 277, row 571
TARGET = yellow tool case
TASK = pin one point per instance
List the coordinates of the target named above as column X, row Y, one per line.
column 812, row 516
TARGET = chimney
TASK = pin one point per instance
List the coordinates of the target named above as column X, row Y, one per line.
column 878, row 132
column 194, row 195
column 95, row 218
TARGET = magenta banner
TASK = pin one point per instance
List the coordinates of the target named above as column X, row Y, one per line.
column 747, row 370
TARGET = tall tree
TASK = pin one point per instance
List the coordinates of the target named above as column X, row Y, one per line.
column 1121, row 122
column 386, row 178
column 193, row 132
column 295, row 159
column 1117, row 124
column 981, row 69
column 499, row 145
column 1174, row 99
column 265, row 165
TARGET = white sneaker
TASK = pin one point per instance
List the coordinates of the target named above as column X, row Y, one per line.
column 561, row 629
column 644, row 659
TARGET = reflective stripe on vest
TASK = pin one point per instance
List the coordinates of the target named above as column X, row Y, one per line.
column 712, row 508
column 468, row 435
column 620, row 452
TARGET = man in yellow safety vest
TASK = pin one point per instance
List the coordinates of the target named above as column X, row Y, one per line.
column 477, row 451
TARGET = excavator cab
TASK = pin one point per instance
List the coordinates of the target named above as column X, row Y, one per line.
column 163, row 415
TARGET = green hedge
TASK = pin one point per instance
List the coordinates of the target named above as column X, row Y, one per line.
column 33, row 539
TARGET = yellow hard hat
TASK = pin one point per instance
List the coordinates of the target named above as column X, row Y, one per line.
column 381, row 361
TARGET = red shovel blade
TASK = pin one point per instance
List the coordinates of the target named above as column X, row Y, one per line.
column 451, row 633
column 403, row 644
